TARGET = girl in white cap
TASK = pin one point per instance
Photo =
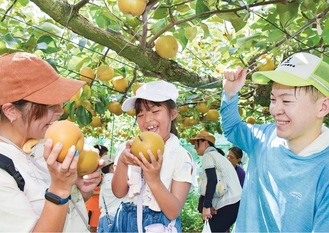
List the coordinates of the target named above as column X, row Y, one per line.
column 167, row 180
column 36, row 198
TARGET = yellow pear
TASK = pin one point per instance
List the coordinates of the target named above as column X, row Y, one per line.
column 87, row 74
column 136, row 86
column 115, row 108
column 105, row 72
column 120, row 83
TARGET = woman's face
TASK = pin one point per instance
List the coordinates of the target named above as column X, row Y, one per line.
column 200, row 146
column 157, row 119
column 37, row 127
column 232, row 158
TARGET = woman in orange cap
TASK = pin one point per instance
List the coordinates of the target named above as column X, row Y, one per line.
column 44, row 199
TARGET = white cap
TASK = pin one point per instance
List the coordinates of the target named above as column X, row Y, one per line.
column 156, row 91
column 108, row 161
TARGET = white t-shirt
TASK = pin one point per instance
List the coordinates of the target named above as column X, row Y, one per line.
column 177, row 165
column 112, row 202
column 19, row 210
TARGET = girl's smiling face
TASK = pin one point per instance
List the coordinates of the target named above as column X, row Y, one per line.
column 155, row 117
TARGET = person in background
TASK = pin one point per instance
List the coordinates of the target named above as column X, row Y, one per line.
column 92, row 204
column 164, row 183
column 221, row 212
column 107, row 201
column 31, row 99
column 288, row 168
column 102, row 150
column 234, row 155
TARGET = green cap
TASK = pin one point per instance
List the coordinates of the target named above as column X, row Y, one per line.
column 300, row 69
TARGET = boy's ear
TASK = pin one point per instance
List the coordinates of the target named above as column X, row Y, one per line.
column 325, row 107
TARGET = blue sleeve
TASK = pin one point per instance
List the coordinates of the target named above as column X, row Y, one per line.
column 235, row 130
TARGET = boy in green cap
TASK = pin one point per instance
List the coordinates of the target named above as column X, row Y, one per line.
column 287, row 185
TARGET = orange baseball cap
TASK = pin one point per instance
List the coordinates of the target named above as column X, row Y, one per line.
column 28, row 77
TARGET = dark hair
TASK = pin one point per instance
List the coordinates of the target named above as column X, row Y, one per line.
column 34, row 111
column 169, row 104
column 237, row 152
column 314, row 92
column 106, row 169
column 102, row 149
column 218, row 149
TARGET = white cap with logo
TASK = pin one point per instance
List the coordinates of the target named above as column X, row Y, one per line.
column 156, row 91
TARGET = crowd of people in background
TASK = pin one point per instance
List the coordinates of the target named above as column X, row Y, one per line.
column 131, row 194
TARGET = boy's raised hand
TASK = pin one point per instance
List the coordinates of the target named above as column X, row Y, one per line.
column 233, row 80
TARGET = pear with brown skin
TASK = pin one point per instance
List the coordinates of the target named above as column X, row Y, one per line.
column 67, row 133
column 88, row 160
column 147, row 141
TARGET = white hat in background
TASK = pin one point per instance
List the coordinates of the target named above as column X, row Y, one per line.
column 108, row 161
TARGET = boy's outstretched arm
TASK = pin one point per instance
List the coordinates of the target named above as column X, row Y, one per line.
column 233, row 80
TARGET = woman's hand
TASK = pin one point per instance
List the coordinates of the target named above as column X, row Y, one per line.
column 63, row 175
column 206, row 213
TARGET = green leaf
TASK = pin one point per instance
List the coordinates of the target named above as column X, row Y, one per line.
column 275, row 35
column 158, row 26
column 100, row 107
column 200, row 7
column 76, row 62
column 10, row 41
column 52, row 62
column 287, row 12
column 190, row 33
column 205, row 29
column 183, row 8
column 180, row 36
column 23, row 2
column 47, row 44
column 237, row 21
column 47, row 28
column 82, row 43
column 160, row 13
column 248, row 39
column 72, row 109
column 84, row 117
column 325, row 36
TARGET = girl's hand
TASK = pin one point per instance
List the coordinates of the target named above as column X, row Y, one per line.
column 151, row 170
column 63, row 175
column 126, row 157
column 233, row 80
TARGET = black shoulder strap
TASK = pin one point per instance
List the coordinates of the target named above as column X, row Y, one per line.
column 8, row 165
